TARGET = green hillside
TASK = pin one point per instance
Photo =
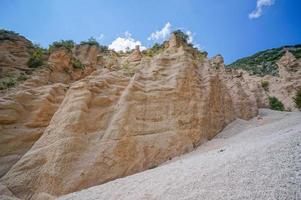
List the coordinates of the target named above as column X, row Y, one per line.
column 264, row 62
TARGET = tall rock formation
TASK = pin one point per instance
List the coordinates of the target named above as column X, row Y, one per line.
column 110, row 125
column 15, row 51
column 26, row 110
column 90, row 116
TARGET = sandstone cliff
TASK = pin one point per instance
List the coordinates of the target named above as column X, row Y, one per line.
column 68, row 128
column 14, row 53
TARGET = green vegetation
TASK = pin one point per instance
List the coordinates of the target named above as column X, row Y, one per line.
column 264, row 62
column 36, row 59
column 202, row 54
column 265, row 85
column 155, row 49
column 7, row 83
column 38, row 47
column 11, row 81
column 67, row 44
column 128, row 70
column 181, row 35
column 76, row 64
column 184, row 37
column 103, row 48
column 296, row 51
column 158, row 48
column 4, row 31
column 22, row 77
column 153, row 166
column 92, row 41
column 297, row 99
column 275, row 104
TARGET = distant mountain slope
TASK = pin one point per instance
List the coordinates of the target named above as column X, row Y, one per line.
column 264, row 62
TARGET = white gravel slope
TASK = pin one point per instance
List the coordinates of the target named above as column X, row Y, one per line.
column 256, row 159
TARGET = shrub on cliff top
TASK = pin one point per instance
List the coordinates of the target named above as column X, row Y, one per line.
column 92, row 41
column 275, row 104
column 4, row 31
column 181, row 35
column 68, row 44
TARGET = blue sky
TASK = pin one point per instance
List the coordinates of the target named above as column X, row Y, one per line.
column 233, row 28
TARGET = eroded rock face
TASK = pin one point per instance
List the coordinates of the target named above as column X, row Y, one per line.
column 23, row 118
column 288, row 83
column 289, row 67
column 66, row 129
column 25, row 111
column 110, row 126
column 135, row 55
column 15, row 51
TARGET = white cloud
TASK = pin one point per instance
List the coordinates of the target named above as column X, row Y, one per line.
column 190, row 36
column 100, row 37
column 162, row 34
column 125, row 43
column 191, row 39
column 259, row 7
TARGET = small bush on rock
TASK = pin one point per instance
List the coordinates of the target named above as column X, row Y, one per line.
column 68, row 44
column 10, row 82
column 265, row 85
column 297, row 99
column 4, row 31
column 36, row 59
column 76, row 64
column 22, row 77
column 155, row 49
column 181, row 35
column 91, row 41
column 275, row 104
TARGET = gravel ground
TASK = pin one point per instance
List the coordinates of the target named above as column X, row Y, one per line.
column 256, row 159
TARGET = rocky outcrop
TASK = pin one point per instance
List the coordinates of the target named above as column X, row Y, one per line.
column 288, row 83
column 135, row 55
column 289, row 67
column 93, row 116
column 66, row 66
column 23, row 118
column 174, row 103
column 15, row 51
column 25, row 111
